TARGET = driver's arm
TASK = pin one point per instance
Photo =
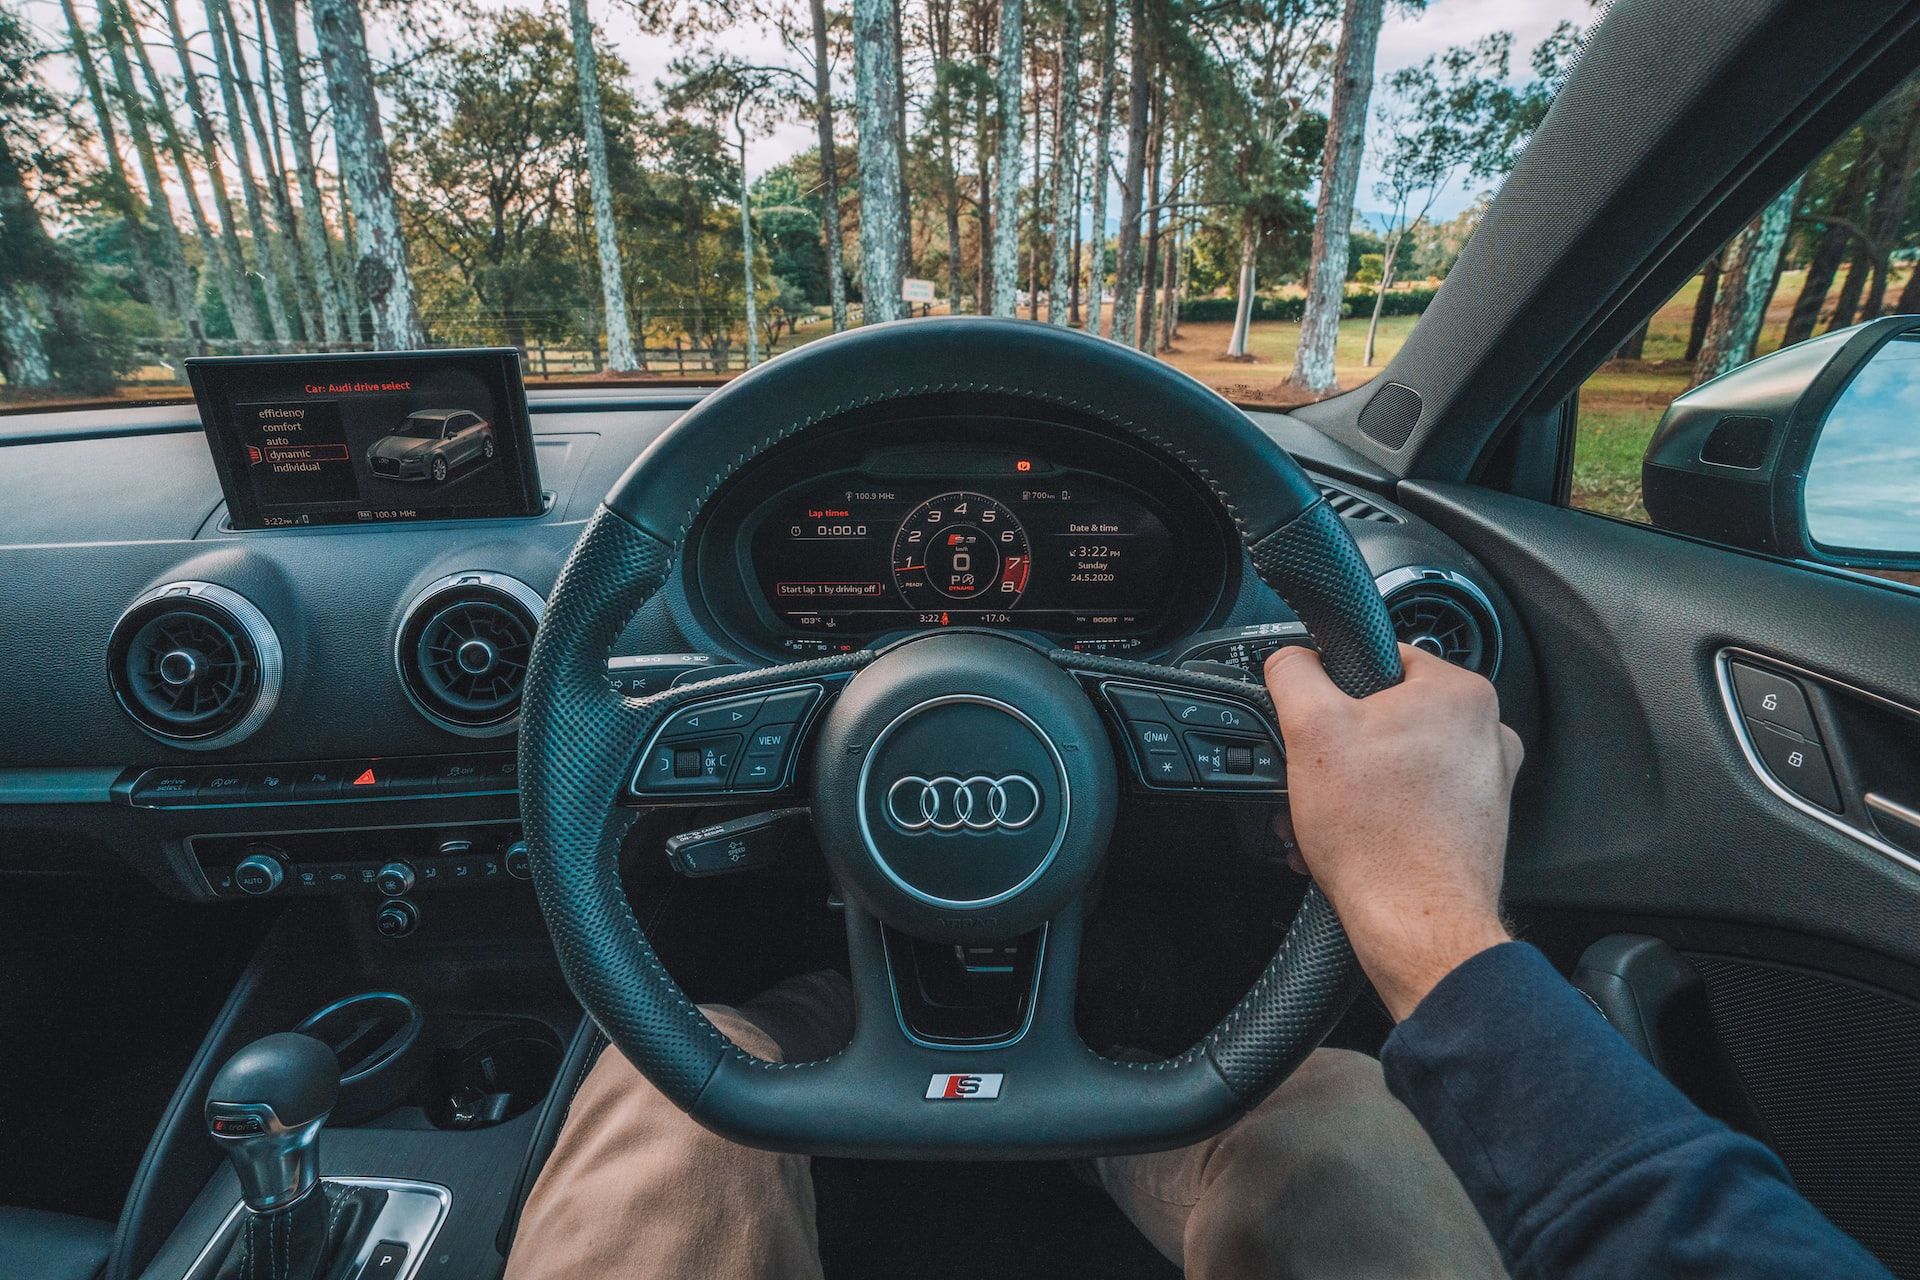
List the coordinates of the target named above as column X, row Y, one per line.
column 1580, row 1156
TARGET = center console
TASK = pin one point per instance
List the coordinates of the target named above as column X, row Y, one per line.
column 404, row 1092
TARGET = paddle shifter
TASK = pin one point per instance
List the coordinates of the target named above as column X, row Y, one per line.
column 265, row 1110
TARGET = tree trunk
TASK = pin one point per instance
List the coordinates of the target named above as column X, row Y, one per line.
column 1243, row 288
column 746, row 247
column 328, row 297
column 283, row 231
column 381, row 271
column 1066, row 147
column 1829, row 252
column 877, row 90
column 265, row 244
column 1380, row 294
column 174, row 277
column 1703, row 305
column 1741, row 308
column 613, row 277
column 1150, row 270
column 23, row 358
column 1126, row 265
column 1033, row 235
column 829, row 167
column 214, row 261
column 1909, row 293
column 1006, row 231
column 119, row 191
column 1313, row 363
column 1635, row 347
column 899, row 21
column 1847, row 307
column 1170, row 288
column 1102, row 147
column 233, row 263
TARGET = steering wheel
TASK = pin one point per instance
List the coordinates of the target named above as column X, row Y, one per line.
column 963, row 785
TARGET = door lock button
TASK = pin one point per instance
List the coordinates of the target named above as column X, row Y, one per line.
column 1773, row 698
column 1800, row 765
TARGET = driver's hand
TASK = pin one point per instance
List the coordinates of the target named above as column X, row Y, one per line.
column 1399, row 808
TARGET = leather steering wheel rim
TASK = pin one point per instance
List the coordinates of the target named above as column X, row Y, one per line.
column 578, row 738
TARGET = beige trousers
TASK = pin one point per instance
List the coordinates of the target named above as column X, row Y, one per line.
column 1329, row 1178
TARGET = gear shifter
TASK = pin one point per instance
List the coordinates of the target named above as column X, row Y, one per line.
column 265, row 1110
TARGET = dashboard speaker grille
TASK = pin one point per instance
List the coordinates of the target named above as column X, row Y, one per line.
column 463, row 651
column 194, row 664
column 1391, row 415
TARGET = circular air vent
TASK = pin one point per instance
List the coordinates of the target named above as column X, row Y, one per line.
column 195, row 664
column 462, row 650
column 1444, row 613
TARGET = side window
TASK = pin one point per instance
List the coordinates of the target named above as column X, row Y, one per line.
column 1732, row 414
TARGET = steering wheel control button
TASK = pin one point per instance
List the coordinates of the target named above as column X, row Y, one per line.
column 1194, row 743
column 743, row 844
column 1197, row 713
column 691, row 755
column 1775, row 699
column 1800, row 765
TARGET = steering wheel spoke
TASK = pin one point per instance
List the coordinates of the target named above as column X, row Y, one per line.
column 1184, row 733
column 736, row 736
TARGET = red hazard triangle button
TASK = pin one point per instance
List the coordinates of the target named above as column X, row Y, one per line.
column 366, row 779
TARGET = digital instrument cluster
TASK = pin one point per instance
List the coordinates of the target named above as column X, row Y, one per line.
column 910, row 539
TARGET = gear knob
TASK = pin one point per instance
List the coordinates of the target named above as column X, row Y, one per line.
column 265, row 1110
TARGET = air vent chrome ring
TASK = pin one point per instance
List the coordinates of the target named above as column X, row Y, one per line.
column 461, row 651
column 195, row 665
column 1406, row 585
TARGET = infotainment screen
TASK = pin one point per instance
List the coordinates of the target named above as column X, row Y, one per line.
column 368, row 438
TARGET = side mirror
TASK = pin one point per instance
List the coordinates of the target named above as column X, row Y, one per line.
column 1811, row 453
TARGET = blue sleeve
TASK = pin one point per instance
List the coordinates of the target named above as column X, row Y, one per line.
column 1581, row 1157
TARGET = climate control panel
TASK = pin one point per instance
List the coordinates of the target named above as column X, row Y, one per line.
column 393, row 863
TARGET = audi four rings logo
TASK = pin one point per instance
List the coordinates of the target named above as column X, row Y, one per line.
column 949, row 803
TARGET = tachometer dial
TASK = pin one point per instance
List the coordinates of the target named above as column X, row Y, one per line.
column 961, row 548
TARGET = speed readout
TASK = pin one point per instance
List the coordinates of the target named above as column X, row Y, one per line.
column 958, row 547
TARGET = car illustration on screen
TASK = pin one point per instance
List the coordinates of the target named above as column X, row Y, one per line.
column 431, row 443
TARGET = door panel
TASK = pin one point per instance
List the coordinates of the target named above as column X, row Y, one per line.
column 1639, row 810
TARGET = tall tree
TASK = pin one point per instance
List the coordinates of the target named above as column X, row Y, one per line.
column 119, row 190
column 330, row 296
column 266, row 245
column 1006, row 233
column 1745, row 289
column 1313, row 367
column 233, row 264
column 613, row 279
column 829, row 163
column 381, row 270
column 1126, row 262
column 1446, row 115
column 1845, row 210
column 1065, row 149
column 173, row 275
column 1097, row 168
column 882, row 184
column 283, row 230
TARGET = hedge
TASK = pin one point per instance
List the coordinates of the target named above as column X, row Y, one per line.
column 1400, row 302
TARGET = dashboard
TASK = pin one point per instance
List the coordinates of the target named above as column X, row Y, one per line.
column 995, row 522
column 370, row 719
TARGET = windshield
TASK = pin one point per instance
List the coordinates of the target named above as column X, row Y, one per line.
column 677, row 191
column 422, row 427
